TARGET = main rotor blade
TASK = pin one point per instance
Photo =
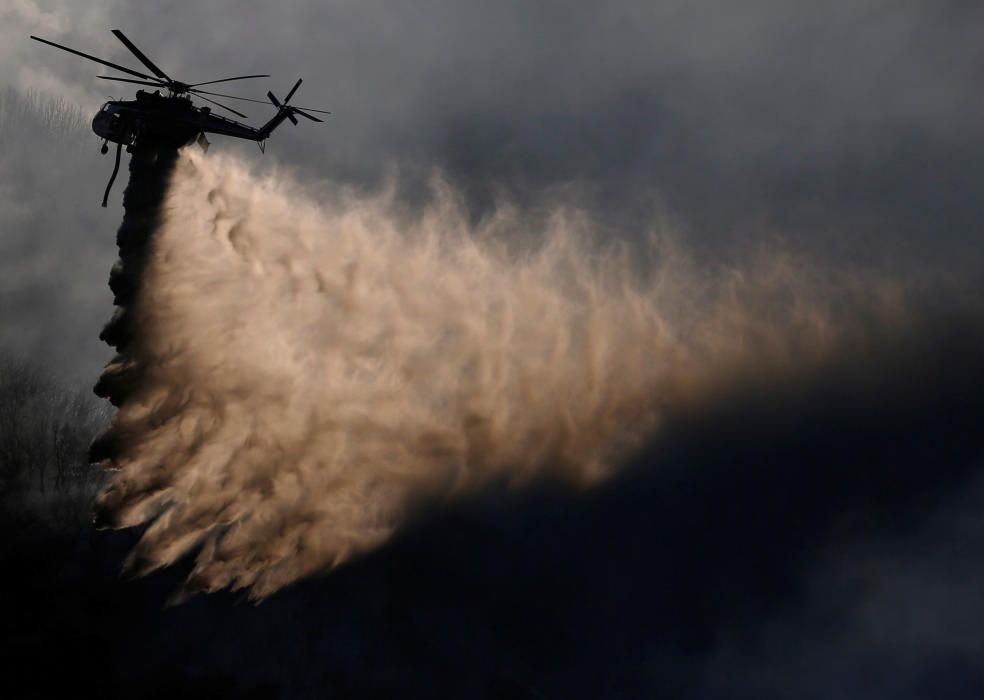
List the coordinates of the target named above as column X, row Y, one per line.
column 139, row 54
column 249, row 99
column 224, row 107
column 226, row 80
column 231, row 97
column 293, row 90
column 93, row 58
column 130, row 80
column 305, row 114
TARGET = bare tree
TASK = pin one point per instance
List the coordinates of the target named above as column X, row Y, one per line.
column 47, row 116
column 45, row 429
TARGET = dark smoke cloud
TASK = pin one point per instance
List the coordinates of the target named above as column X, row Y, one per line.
column 817, row 535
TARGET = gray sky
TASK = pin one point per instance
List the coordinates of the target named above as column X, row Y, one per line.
column 830, row 115
column 851, row 128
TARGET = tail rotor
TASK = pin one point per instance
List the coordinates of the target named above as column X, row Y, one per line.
column 290, row 109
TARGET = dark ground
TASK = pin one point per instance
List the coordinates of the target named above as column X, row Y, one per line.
column 801, row 536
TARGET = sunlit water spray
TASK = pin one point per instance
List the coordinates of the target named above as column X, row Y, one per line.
column 306, row 370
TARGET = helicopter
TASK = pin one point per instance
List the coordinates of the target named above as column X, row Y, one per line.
column 172, row 118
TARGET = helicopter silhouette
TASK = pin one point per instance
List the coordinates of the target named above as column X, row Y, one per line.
column 172, row 119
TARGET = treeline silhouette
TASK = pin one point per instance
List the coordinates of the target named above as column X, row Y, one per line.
column 64, row 608
column 45, row 429
column 47, row 117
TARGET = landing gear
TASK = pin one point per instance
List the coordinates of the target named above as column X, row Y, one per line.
column 105, row 148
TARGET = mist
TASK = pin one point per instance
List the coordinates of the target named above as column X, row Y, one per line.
column 303, row 371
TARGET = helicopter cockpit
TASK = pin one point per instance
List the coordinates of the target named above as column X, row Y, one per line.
column 111, row 124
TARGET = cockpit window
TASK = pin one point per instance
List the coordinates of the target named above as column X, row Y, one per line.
column 105, row 107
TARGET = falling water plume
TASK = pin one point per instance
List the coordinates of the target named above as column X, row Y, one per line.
column 301, row 370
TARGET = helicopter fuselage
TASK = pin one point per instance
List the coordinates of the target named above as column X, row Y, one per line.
column 169, row 119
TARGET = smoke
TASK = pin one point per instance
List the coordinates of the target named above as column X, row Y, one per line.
column 309, row 368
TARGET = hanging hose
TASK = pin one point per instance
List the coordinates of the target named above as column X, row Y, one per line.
column 116, row 169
